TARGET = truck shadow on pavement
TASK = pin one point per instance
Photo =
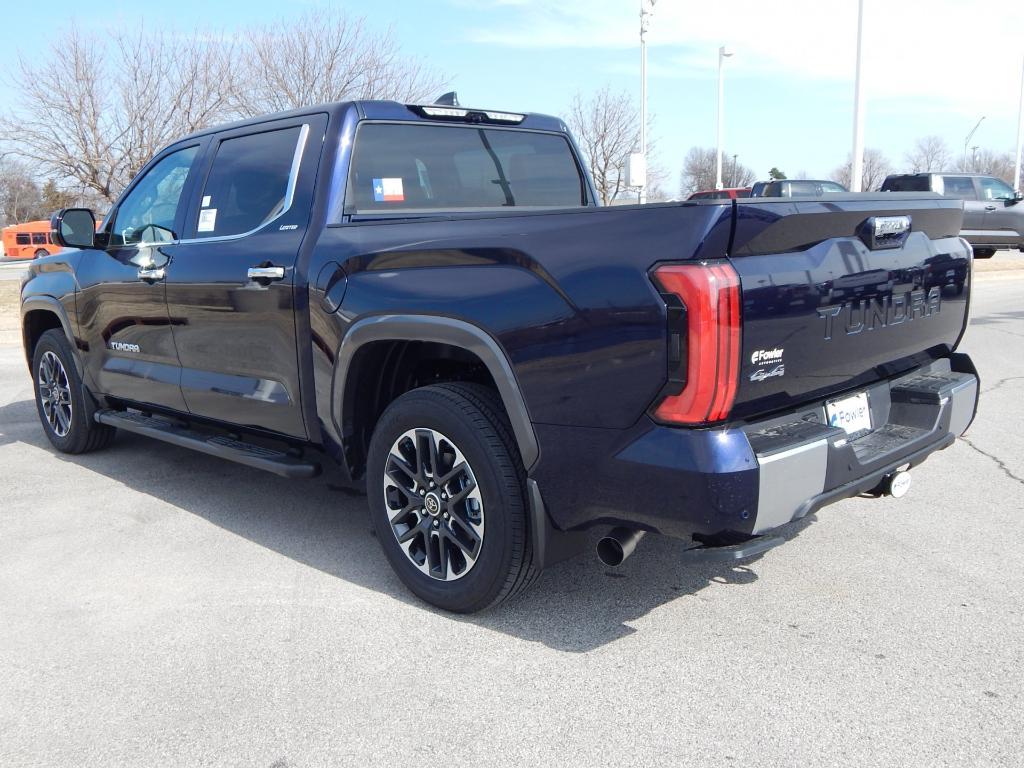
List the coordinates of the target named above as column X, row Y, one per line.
column 575, row 606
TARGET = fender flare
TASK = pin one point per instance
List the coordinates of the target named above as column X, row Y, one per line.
column 53, row 306
column 442, row 330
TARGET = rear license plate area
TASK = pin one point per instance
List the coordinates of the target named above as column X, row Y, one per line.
column 851, row 414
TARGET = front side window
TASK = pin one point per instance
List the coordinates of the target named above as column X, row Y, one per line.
column 147, row 214
column 958, row 186
column 995, row 189
column 248, row 183
column 38, row 239
column 430, row 167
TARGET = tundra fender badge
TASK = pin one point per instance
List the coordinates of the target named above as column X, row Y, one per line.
column 880, row 232
column 120, row 346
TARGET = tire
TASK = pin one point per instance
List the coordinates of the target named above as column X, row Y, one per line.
column 461, row 555
column 40, row 253
column 65, row 410
column 984, row 253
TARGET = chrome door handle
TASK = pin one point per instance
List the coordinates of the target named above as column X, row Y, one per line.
column 266, row 273
column 151, row 275
column 990, row 207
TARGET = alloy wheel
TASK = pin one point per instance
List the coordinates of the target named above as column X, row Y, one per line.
column 433, row 503
column 55, row 394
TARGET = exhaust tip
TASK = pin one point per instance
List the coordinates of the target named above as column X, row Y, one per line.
column 610, row 552
column 619, row 544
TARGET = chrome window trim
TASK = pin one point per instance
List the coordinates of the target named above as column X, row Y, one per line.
column 289, row 194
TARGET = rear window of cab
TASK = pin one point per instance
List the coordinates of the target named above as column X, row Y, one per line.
column 414, row 167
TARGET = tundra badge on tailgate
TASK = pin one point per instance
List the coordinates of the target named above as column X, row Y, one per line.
column 884, row 231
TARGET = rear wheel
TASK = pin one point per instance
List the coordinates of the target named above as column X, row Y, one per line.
column 65, row 408
column 40, row 253
column 446, row 490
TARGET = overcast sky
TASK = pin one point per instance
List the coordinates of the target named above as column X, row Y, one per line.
column 932, row 66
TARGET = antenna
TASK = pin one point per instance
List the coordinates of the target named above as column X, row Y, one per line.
column 450, row 99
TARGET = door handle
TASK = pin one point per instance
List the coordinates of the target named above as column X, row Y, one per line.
column 266, row 273
column 151, row 275
column 990, row 207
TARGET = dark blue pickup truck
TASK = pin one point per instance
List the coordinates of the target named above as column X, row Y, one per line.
column 427, row 301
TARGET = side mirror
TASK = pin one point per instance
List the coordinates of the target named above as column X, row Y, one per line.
column 73, row 228
column 1017, row 197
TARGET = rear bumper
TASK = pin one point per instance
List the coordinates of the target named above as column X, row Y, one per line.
column 753, row 478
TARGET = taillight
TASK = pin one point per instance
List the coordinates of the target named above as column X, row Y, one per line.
column 710, row 293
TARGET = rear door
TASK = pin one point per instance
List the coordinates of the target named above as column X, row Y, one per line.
column 230, row 282
column 964, row 188
column 826, row 309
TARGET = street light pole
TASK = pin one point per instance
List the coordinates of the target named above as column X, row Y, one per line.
column 646, row 9
column 1018, row 183
column 723, row 53
column 857, row 170
column 968, row 140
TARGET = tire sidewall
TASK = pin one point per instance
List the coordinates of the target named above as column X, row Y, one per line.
column 81, row 413
column 501, row 500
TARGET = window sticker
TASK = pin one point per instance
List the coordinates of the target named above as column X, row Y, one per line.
column 388, row 190
column 207, row 220
column 206, row 201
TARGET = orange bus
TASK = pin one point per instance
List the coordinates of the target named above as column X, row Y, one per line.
column 30, row 240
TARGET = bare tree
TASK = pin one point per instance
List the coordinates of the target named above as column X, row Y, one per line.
column 930, row 154
column 20, row 197
column 992, row 163
column 876, row 168
column 327, row 55
column 699, row 171
column 96, row 113
column 607, row 128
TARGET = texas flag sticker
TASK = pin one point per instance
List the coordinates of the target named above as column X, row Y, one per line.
column 388, row 190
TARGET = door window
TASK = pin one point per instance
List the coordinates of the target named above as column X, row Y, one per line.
column 249, row 183
column 959, row 186
column 995, row 189
column 38, row 239
column 147, row 214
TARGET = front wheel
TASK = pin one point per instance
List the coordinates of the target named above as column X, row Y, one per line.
column 40, row 253
column 445, row 485
column 65, row 407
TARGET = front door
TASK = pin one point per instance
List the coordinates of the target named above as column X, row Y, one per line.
column 230, row 283
column 122, row 309
column 974, row 210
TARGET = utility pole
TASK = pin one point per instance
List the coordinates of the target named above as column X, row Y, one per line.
column 646, row 9
column 723, row 54
column 733, row 183
column 968, row 140
column 1018, row 183
column 857, row 171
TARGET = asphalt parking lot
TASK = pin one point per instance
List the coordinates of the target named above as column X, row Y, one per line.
column 158, row 607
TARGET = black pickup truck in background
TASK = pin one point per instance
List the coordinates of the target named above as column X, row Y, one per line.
column 426, row 301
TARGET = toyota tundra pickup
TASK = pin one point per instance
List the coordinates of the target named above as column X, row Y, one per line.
column 426, row 301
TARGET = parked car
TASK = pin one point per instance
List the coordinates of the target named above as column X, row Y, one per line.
column 427, row 300
column 729, row 193
column 796, row 188
column 993, row 217
column 29, row 240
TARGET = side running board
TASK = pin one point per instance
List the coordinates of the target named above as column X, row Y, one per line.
column 222, row 446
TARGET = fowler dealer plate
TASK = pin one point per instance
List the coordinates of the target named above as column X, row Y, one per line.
column 850, row 413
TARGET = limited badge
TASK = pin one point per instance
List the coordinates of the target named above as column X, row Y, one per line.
column 388, row 190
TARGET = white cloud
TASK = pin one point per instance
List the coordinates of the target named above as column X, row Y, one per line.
column 962, row 56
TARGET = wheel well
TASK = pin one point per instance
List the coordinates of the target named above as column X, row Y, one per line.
column 382, row 371
column 36, row 323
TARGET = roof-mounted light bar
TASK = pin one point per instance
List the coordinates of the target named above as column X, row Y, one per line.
column 468, row 115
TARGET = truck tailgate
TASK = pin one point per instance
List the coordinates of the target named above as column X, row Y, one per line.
column 828, row 307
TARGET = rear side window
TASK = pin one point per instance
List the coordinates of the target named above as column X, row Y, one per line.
column 249, row 183
column 906, row 184
column 23, row 239
column 429, row 167
column 959, row 186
